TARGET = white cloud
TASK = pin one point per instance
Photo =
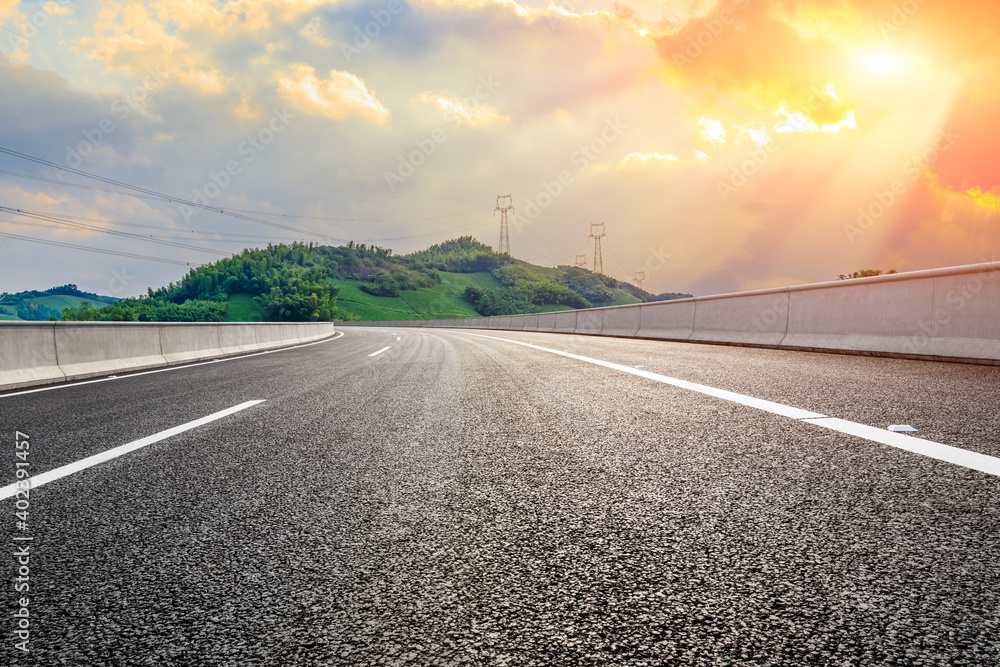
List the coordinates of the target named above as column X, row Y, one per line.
column 646, row 158
column 336, row 98
column 712, row 131
column 467, row 112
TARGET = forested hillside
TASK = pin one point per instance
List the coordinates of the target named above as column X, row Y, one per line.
column 308, row 282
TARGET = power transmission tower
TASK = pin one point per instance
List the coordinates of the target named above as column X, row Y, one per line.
column 581, row 261
column 504, row 204
column 639, row 277
column 597, row 233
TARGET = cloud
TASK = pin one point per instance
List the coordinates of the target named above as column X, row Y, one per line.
column 712, row 131
column 799, row 122
column 313, row 31
column 336, row 98
column 645, row 158
column 468, row 112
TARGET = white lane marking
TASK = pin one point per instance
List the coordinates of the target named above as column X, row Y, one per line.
column 380, row 351
column 66, row 385
column 52, row 475
column 928, row 448
column 398, row 338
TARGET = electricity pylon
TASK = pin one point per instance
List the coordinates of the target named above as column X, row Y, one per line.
column 504, row 204
column 597, row 233
column 639, row 277
column 581, row 261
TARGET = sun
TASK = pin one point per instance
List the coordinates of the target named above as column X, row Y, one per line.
column 885, row 65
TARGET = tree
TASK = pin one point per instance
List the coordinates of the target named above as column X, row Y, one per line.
column 473, row 294
column 865, row 273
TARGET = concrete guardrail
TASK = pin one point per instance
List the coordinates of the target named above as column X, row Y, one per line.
column 950, row 314
column 38, row 353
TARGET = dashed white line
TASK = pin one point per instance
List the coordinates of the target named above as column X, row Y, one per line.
column 52, row 475
column 380, row 351
column 928, row 448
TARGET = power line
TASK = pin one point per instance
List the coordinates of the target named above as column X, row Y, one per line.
column 241, row 210
column 472, row 225
column 563, row 252
column 313, row 217
column 45, row 217
column 103, row 251
column 154, row 193
column 622, row 266
column 504, row 204
column 180, row 232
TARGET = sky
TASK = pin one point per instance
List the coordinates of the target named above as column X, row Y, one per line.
column 726, row 145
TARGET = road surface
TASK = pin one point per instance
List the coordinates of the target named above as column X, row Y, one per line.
column 402, row 496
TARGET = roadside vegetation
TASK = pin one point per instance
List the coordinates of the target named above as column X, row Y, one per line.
column 308, row 282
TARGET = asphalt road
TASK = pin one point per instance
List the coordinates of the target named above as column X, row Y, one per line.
column 459, row 499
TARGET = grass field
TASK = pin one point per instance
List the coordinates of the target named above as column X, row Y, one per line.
column 61, row 301
column 442, row 301
column 242, row 308
column 368, row 307
column 621, row 298
column 56, row 303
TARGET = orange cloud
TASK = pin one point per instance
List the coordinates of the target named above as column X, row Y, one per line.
column 743, row 46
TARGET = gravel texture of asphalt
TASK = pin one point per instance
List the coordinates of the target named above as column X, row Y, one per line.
column 461, row 499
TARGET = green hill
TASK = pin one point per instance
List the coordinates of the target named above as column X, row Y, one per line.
column 307, row 282
column 44, row 304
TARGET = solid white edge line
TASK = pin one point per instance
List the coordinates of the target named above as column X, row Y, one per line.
column 72, row 383
column 44, row 478
column 928, row 448
column 380, row 351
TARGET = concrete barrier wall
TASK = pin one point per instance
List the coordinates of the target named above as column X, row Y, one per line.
column 829, row 317
column 546, row 321
column 621, row 321
column 566, row 321
column 945, row 314
column 29, row 357
column 756, row 318
column 667, row 320
column 86, row 349
column 37, row 353
column 238, row 339
column 189, row 342
column 590, row 321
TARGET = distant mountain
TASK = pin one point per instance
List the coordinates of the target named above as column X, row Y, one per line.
column 308, row 282
column 43, row 304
